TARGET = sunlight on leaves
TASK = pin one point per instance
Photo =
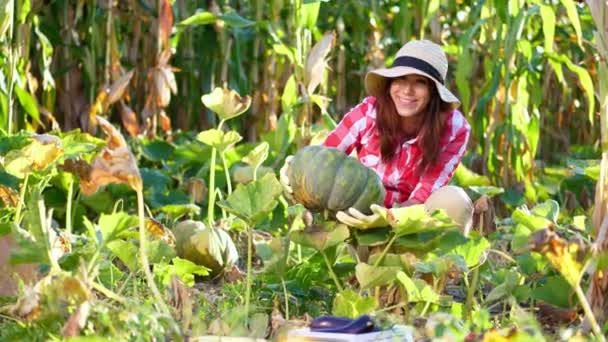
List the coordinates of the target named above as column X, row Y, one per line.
column 561, row 254
column 417, row 289
column 349, row 304
column 218, row 139
column 184, row 269
column 40, row 153
column 258, row 155
column 226, row 103
column 415, row 219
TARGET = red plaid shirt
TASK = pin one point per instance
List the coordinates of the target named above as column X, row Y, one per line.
column 357, row 131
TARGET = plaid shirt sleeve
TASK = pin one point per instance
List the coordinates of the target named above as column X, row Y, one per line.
column 449, row 158
column 347, row 135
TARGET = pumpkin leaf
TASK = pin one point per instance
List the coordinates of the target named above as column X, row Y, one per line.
column 184, row 269
column 179, row 210
column 218, row 139
column 253, row 202
column 370, row 276
column 321, row 236
column 226, row 103
column 415, row 219
column 349, row 304
column 524, row 217
column 472, row 250
column 258, row 155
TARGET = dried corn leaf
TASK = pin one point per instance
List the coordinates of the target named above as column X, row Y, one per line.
column 129, row 119
column 161, row 88
column 169, row 76
column 165, row 21
column 165, row 122
column 118, row 88
column 316, row 63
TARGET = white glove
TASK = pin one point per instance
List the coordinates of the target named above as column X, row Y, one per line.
column 354, row 218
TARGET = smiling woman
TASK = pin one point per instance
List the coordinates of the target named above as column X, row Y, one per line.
column 409, row 132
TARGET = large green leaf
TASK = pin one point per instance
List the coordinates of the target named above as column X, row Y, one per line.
column 472, row 251
column 182, row 268
column 370, row 276
column 349, row 304
column 417, row 289
column 321, row 236
column 254, row 201
column 555, row 290
column 158, row 150
column 532, row 221
column 113, row 226
column 548, row 209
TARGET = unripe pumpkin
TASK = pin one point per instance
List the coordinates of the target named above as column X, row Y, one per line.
column 326, row 178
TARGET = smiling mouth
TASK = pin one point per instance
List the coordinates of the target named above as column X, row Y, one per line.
column 406, row 102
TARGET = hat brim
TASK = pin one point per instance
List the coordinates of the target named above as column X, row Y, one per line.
column 375, row 82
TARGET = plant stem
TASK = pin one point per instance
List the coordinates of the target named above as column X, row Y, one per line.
column 68, row 210
column 385, row 250
column 108, row 293
column 286, row 295
column 226, row 172
column 45, row 226
column 143, row 256
column 211, row 204
column 471, row 293
column 21, row 199
column 249, row 257
column 589, row 313
column 11, row 76
column 331, row 272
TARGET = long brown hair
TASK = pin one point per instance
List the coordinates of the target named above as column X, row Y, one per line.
column 391, row 132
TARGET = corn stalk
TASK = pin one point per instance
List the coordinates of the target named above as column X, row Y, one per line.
column 598, row 290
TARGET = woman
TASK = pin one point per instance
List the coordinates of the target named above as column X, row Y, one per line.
column 409, row 131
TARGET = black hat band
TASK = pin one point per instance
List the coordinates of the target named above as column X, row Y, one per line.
column 417, row 63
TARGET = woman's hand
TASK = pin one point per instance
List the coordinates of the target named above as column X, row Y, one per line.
column 283, row 178
column 356, row 219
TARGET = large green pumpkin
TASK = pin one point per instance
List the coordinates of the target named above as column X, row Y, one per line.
column 326, row 178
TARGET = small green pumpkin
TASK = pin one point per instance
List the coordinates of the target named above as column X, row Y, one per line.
column 326, row 178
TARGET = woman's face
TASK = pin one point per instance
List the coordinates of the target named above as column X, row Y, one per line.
column 411, row 94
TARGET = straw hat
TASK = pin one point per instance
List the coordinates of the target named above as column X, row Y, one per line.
column 421, row 57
